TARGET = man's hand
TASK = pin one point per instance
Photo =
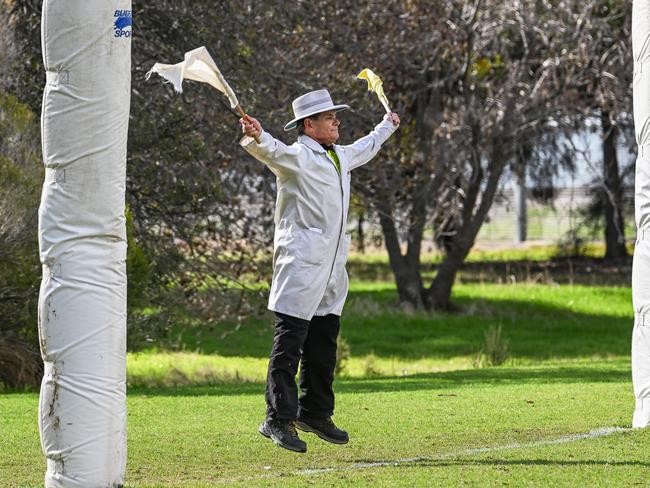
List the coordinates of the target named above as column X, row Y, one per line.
column 250, row 126
column 393, row 117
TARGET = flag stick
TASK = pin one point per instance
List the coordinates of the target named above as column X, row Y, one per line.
column 243, row 114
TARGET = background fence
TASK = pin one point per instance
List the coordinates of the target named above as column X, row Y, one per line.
column 559, row 217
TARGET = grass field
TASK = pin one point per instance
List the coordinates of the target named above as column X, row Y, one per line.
column 557, row 413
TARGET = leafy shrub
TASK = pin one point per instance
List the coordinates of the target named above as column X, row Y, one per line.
column 21, row 174
column 20, row 364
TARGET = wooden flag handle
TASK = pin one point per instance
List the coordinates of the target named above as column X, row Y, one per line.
column 242, row 114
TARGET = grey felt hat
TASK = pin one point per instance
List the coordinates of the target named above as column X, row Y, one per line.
column 312, row 103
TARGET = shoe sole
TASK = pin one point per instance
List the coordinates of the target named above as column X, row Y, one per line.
column 306, row 428
column 279, row 443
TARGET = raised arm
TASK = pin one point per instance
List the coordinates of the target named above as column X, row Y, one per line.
column 364, row 149
column 280, row 158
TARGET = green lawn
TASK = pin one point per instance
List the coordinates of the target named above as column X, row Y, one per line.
column 417, row 411
column 543, row 324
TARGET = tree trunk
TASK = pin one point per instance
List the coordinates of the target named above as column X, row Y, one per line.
column 406, row 271
column 612, row 193
column 361, row 241
column 406, row 267
column 521, row 211
column 439, row 293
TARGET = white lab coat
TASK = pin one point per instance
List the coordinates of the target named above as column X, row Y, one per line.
column 311, row 245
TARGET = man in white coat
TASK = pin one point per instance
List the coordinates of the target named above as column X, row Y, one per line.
column 310, row 283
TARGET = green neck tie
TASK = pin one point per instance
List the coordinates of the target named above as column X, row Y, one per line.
column 335, row 160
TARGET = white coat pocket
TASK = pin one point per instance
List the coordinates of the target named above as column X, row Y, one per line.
column 311, row 245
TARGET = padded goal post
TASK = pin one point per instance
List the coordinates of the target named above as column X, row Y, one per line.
column 82, row 237
column 641, row 266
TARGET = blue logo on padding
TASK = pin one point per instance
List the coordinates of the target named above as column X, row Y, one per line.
column 123, row 21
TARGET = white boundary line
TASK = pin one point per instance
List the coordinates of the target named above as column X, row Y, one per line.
column 592, row 434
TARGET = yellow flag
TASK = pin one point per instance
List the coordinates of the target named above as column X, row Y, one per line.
column 375, row 85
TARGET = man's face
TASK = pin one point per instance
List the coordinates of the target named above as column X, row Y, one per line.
column 323, row 129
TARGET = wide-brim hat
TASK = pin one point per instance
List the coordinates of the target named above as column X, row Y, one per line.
column 312, row 103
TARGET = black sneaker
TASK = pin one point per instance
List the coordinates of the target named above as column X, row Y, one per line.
column 283, row 433
column 323, row 428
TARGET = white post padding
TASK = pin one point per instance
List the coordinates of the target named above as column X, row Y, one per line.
column 641, row 265
column 82, row 237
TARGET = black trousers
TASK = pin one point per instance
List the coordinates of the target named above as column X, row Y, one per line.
column 312, row 344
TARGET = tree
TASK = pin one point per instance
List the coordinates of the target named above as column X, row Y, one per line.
column 606, row 95
column 477, row 82
column 198, row 211
column 20, row 179
column 481, row 85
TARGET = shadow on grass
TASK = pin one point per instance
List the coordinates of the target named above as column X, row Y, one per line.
column 435, row 382
column 535, row 329
column 372, row 325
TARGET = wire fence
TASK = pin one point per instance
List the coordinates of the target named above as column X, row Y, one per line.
column 558, row 217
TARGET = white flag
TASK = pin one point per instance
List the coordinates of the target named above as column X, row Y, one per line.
column 198, row 66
